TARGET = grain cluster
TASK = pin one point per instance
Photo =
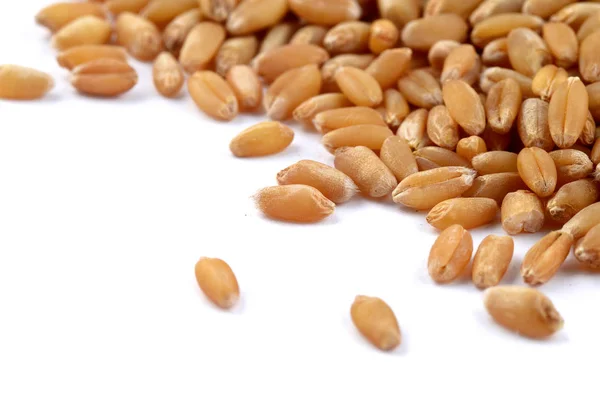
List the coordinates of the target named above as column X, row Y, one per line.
column 475, row 111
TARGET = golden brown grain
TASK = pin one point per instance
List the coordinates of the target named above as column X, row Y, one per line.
column 309, row 34
column 575, row 14
column 501, row 25
column 376, row 321
column 140, row 37
column 88, row 29
column 414, row 129
column 397, row 156
column 470, row 147
column 116, row 7
column 330, row 67
column 213, row 95
column 271, row 64
column 332, row 119
column 424, row 190
column 493, row 75
column 441, row 128
column 495, row 53
column 572, row 198
column 562, row 43
column 465, row 106
column 595, row 154
column 527, row 51
column 532, row 124
column 450, row 254
column 332, row 183
column 396, row 108
column 467, row 212
column 502, row 105
column 389, row 66
column 326, row 12
column 265, row 138
column 583, row 221
column 589, row 60
column 589, row 26
column 370, row 136
column 78, row 55
column 462, row 63
column 437, row 157
column 197, row 53
column 491, row 261
column 217, row 281
column 571, row 165
column 290, row 90
column 439, row 52
column 399, row 12
column 593, row 91
column 359, row 86
column 588, row 135
column 217, row 10
column 310, row 108
column 538, row 171
column 104, row 77
column 369, row 173
column 495, row 186
column 167, row 75
column 57, row 15
column 546, row 80
column 294, row 203
column 348, row 37
column 522, row 212
column 487, row 8
column 421, row 34
column 495, row 162
column 581, row 147
column 544, row 8
column 22, row 83
column 588, row 248
column 462, row 8
column 161, row 12
column 235, row 51
column 421, row 89
column 279, row 35
column 383, row 36
column 177, row 30
column 523, row 310
column 254, row 15
column 246, row 85
column 543, row 260
column 567, row 112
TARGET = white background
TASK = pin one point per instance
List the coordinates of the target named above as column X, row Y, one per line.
column 106, row 205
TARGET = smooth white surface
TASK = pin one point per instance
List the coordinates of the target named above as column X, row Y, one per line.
column 106, row 205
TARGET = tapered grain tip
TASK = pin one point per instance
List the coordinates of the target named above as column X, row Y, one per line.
column 491, row 261
column 332, row 183
column 450, row 254
column 587, row 250
column 364, row 167
column 59, row 14
column 294, row 203
column 467, row 212
column 262, row 139
column 543, row 260
column 424, row 190
column 217, row 281
column 213, row 95
column 22, row 83
column 523, row 310
column 376, row 321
